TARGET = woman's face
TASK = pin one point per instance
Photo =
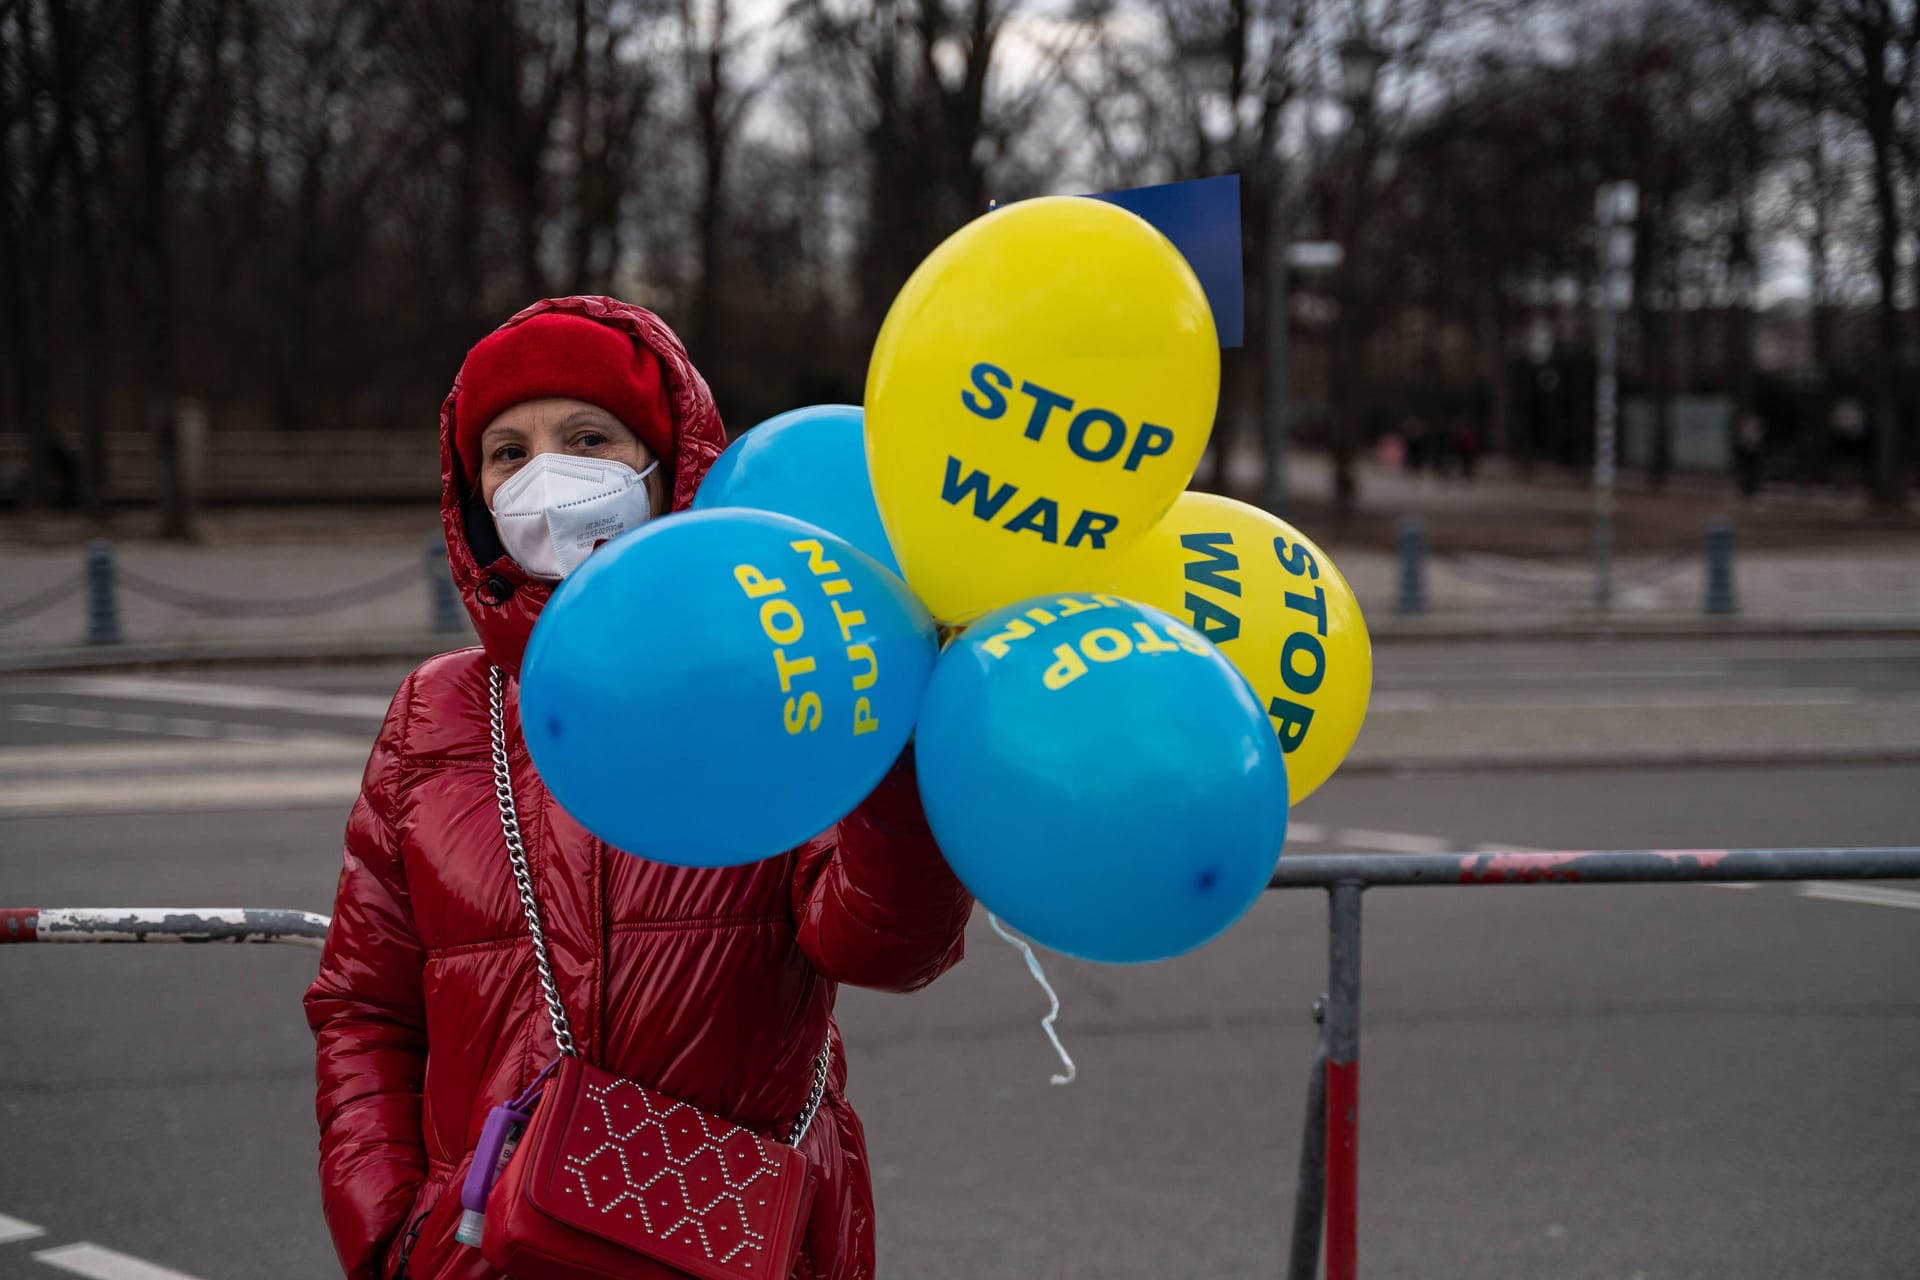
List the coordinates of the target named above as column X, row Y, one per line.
column 571, row 427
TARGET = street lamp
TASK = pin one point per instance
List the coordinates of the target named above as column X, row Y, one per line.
column 1207, row 62
column 1360, row 62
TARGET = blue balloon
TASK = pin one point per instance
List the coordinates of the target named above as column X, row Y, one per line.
column 810, row 464
column 720, row 686
column 1101, row 777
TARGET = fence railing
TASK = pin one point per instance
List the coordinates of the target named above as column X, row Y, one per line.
column 1564, row 586
column 1326, row 1197
column 101, row 581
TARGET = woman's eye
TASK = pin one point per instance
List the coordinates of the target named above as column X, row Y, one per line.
column 508, row 453
column 589, row 440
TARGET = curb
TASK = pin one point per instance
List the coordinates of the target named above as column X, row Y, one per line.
column 288, row 651
column 1683, row 626
column 1647, row 757
column 417, row 646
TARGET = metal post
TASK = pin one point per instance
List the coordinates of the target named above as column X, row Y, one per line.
column 1343, row 1080
column 1412, row 597
column 1720, row 597
column 103, row 605
column 1615, row 205
column 442, row 600
column 1277, row 426
column 1310, row 1192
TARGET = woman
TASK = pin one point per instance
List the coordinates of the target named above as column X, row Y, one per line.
column 715, row 986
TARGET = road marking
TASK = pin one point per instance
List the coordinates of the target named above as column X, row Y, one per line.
column 13, row 1230
column 1403, row 700
column 1306, row 832
column 198, row 693
column 1566, row 700
column 171, row 726
column 1871, row 895
column 1390, row 841
column 96, row 1263
column 20, row 763
column 47, row 799
column 1557, row 673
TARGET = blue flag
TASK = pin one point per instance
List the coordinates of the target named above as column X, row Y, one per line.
column 1202, row 218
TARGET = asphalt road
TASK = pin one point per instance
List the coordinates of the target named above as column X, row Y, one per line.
column 1671, row 1081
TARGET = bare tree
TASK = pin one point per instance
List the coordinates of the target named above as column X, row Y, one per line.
column 1861, row 55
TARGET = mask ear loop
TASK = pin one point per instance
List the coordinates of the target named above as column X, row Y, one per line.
column 1046, row 1023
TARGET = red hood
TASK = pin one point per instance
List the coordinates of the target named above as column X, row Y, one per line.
column 502, row 597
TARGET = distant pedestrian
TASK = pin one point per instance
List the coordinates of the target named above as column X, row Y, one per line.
column 1466, row 446
column 1419, row 443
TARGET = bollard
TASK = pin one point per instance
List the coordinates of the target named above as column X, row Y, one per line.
column 1720, row 598
column 103, row 604
column 443, row 602
column 1413, row 567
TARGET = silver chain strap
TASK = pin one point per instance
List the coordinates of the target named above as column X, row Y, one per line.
column 523, row 878
column 522, row 874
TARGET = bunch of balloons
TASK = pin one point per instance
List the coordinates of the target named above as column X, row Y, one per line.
column 1138, row 679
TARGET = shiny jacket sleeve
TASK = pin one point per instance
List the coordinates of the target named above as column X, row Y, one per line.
column 367, row 1013
column 876, row 903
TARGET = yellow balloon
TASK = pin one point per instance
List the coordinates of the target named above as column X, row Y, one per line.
column 1277, row 608
column 1041, row 391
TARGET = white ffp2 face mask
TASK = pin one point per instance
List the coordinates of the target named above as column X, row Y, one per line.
column 556, row 509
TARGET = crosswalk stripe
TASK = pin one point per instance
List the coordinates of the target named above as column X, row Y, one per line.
column 13, row 1230
column 1390, row 841
column 1871, row 895
column 57, row 797
column 118, row 757
column 199, row 693
column 97, row 1263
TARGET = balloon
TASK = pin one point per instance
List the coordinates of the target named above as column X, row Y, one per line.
column 810, row 464
column 1040, row 393
column 1100, row 777
column 720, row 686
column 1276, row 606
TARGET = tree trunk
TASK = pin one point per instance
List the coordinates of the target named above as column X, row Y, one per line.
column 153, row 272
column 93, row 312
column 1499, row 385
column 94, row 344
column 29, row 196
column 1655, row 328
column 1813, row 454
column 710, row 107
column 1889, row 474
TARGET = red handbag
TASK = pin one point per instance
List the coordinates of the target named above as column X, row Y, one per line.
column 612, row 1180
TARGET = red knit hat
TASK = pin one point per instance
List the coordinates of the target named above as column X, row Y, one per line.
column 555, row 355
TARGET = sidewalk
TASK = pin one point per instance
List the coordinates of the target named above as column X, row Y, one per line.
column 265, row 603
column 229, row 601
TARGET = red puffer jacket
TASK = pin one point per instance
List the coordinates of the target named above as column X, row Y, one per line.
column 716, row 986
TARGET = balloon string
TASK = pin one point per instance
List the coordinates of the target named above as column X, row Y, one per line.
column 1046, row 1023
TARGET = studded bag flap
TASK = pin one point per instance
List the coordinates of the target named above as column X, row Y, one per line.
column 612, row 1180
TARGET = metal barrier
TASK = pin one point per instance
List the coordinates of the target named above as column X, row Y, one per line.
column 1327, row 1194
column 1328, row 1190
column 162, row 924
